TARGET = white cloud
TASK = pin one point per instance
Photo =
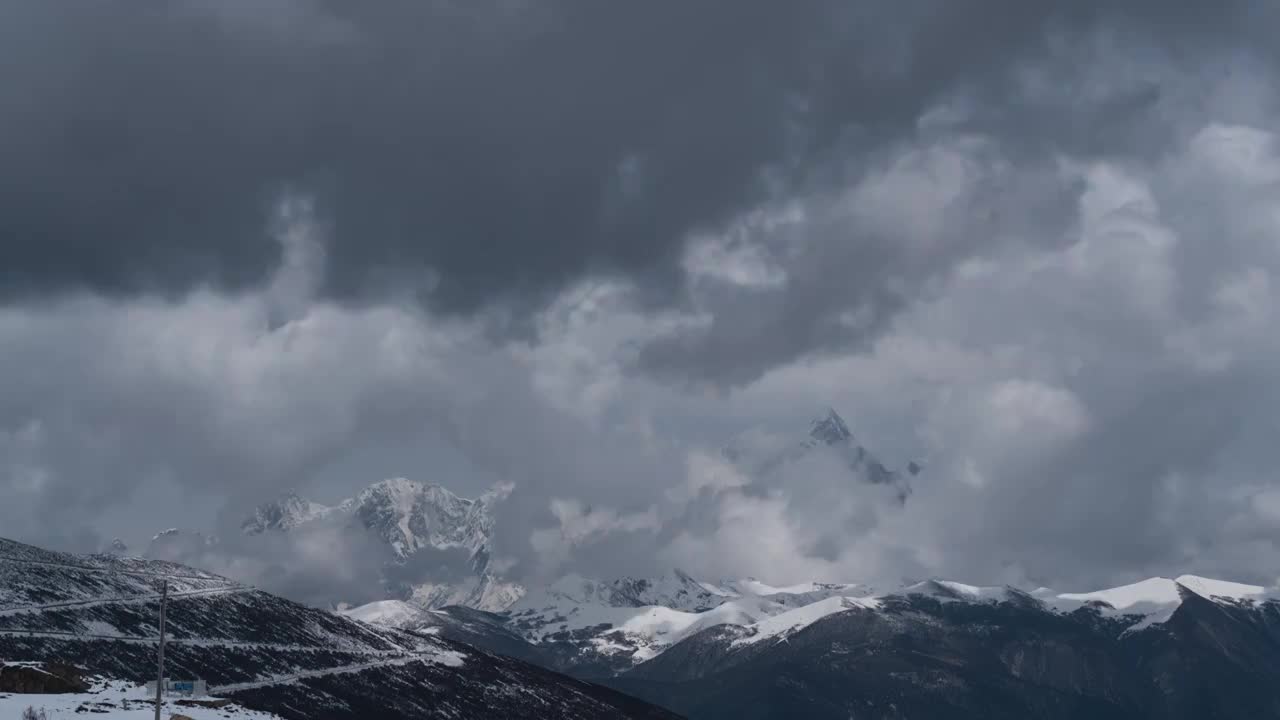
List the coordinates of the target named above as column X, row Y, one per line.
column 579, row 524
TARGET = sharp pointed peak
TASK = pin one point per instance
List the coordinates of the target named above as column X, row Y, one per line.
column 830, row 428
column 829, row 414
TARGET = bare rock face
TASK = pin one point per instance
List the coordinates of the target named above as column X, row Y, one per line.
column 40, row 679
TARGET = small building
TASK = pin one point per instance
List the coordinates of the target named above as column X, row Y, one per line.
column 182, row 688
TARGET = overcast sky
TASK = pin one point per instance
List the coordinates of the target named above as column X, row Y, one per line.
column 252, row 246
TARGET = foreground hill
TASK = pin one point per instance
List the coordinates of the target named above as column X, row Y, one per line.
column 269, row 654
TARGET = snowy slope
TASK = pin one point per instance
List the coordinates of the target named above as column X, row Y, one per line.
column 390, row 613
column 1163, row 591
column 1138, row 605
column 676, row 590
column 596, row 628
column 1153, row 601
column 783, row 624
column 265, row 652
column 113, row 700
column 799, row 595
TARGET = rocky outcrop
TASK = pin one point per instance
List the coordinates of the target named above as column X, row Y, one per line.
column 22, row 678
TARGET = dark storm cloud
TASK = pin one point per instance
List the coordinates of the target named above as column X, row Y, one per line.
column 477, row 151
column 507, row 148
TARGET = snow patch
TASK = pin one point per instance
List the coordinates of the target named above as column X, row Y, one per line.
column 1164, row 591
column 1153, row 601
column 784, row 624
column 116, row 701
column 390, row 613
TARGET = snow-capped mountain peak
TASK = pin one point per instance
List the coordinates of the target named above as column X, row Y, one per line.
column 410, row 517
column 761, row 458
column 284, row 514
column 1158, row 591
column 677, row 590
column 830, row 429
column 407, row 514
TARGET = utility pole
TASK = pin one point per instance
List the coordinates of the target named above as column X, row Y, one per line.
column 164, row 600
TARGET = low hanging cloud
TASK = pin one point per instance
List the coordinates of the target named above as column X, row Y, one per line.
column 235, row 399
column 1093, row 407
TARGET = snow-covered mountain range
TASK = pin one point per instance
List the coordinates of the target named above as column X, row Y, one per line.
column 1180, row 648
column 698, row 646
column 1185, row 647
column 419, row 523
column 610, row 627
column 622, row 623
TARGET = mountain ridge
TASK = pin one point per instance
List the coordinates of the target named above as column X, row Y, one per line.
column 589, row 628
column 1184, row 648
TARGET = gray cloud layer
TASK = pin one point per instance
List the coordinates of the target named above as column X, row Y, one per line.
column 1035, row 242
column 482, row 151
